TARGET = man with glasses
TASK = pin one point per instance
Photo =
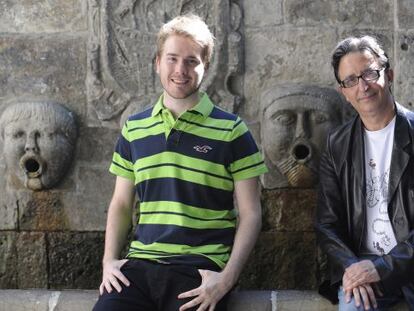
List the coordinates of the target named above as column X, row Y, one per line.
column 365, row 214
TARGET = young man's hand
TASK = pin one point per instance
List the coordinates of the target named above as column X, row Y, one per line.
column 112, row 275
column 213, row 287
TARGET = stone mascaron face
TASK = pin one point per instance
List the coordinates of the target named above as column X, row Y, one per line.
column 294, row 126
column 38, row 143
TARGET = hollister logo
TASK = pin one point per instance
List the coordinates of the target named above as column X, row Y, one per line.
column 203, row 149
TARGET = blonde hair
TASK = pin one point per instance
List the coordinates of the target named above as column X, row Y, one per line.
column 190, row 26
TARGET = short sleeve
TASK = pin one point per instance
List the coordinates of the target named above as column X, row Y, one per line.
column 247, row 161
column 121, row 160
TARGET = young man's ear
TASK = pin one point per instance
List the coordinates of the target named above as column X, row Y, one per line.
column 157, row 64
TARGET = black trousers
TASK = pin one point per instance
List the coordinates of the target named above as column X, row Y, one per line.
column 154, row 287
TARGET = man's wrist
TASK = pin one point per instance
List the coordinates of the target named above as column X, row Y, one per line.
column 229, row 279
column 108, row 259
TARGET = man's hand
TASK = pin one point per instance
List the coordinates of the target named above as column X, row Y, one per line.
column 213, row 287
column 112, row 275
column 359, row 273
column 363, row 294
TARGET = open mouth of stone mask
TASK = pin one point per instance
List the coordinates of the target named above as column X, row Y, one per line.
column 297, row 166
column 33, row 167
column 301, row 152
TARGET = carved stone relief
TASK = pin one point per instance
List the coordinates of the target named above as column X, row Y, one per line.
column 38, row 142
column 122, row 46
column 295, row 121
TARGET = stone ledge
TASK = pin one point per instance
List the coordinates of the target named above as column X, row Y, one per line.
column 83, row 300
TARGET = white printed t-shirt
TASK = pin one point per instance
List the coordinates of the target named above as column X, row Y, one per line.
column 380, row 237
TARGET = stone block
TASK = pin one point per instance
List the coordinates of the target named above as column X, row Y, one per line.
column 281, row 55
column 310, row 12
column 354, row 13
column 32, row 260
column 19, row 300
column 8, row 208
column 405, row 14
column 282, row 260
column 251, row 300
column 76, row 300
column 75, row 259
column 88, row 206
column 288, row 210
column 292, row 300
column 8, row 260
column 97, row 145
column 88, row 213
column 39, row 67
column 81, row 208
column 42, row 16
column 42, row 210
column 405, row 69
column 2, row 164
column 262, row 13
column 369, row 14
column 100, row 179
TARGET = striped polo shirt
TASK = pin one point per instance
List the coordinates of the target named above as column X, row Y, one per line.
column 184, row 171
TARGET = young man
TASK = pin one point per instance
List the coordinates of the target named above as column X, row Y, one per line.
column 365, row 215
column 185, row 158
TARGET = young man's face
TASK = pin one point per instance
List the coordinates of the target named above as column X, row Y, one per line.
column 368, row 98
column 180, row 67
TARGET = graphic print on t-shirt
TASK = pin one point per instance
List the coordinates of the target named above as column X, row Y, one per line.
column 380, row 237
column 377, row 194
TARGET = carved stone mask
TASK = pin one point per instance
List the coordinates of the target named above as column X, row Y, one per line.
column 38, row 142
column 295, row 121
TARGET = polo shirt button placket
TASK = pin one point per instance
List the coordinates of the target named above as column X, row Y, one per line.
column 166, row 119
column 174, row 134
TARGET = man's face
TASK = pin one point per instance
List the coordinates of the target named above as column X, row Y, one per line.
column 36, row 153
column 294, row 130
column 368, row 98
column 180, row 67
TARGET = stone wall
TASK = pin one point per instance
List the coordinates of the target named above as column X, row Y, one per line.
column 83, row 55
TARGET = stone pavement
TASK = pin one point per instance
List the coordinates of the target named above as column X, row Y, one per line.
column 83, row 300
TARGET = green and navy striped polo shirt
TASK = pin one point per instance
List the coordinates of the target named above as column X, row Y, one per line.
column 184, row 172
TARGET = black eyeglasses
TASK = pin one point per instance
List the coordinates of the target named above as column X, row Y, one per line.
column 367, row 76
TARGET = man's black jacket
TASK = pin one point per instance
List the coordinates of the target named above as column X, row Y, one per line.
column 341, row 213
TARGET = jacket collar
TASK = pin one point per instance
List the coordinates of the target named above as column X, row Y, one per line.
column 358, row 155
column 357, row 158
column 400, row 152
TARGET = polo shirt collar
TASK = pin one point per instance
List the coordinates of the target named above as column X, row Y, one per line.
column 158, row 106
column 203, row 107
